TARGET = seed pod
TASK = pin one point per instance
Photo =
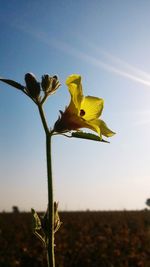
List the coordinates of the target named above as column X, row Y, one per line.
column 32, row 85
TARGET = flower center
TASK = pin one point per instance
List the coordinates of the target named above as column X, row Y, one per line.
column 82, row 112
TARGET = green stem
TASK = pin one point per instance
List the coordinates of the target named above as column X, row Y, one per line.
column 50, row 237
column 50, row 245
column 43, row 119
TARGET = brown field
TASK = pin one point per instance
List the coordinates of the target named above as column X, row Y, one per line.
column 86, row 239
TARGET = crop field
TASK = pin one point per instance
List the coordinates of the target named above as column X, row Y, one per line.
column 85, row 239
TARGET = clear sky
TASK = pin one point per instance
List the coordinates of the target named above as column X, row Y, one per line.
column 108, row 44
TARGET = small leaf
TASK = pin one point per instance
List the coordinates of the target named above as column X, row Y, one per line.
column 36, row 221
column 12, row 83
column 57, row 222
column 37, row 228
column 88, row 136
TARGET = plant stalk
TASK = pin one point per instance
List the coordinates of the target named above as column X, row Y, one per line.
column 42, row 115
column 50, row 241
column 50, row 213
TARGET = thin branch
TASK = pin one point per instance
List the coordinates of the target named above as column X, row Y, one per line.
column 42, row 115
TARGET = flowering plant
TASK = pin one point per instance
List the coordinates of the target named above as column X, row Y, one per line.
column 82, row 112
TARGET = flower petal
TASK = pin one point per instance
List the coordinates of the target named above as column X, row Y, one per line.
column 105, row 130
column 91, row 107
column 100, row 127
column 75, row 88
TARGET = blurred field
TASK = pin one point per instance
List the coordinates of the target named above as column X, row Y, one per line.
column 86, row 239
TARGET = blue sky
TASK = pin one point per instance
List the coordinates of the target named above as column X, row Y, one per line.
column 108, row 44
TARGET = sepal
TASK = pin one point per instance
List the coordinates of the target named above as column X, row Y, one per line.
column 88, row 136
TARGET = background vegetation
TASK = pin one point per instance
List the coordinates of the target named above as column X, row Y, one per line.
column 85, row 239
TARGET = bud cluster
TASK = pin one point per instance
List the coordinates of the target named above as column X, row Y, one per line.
column 49, row 84
column 40, row 91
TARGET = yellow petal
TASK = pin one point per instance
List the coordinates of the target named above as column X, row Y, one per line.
column 93, row 125
column 75, row 88
column 105, row 130
column 91, row 108
column 100, row 127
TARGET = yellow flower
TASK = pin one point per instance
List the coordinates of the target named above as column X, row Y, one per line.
column 82, row 112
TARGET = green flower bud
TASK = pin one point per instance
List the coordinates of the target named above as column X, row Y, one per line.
column 49, row 84
column 55, row 82
column 46, row 82
column 32, row 85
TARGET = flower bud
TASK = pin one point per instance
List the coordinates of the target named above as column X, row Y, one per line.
column 32, row 85
column 55, row 82
column 49, row 84
column 46, row 82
